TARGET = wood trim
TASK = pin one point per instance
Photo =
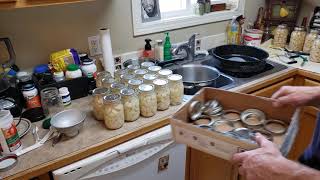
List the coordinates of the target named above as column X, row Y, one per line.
column 188, row 162
column 268, row 91
column 86, row 152
column 309, row 75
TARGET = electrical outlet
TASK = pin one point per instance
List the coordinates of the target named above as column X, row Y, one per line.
column 94, row 45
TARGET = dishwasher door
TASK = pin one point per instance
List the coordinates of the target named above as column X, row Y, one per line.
column 152, row 156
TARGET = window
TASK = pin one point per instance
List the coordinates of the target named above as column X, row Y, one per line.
column 174, row 14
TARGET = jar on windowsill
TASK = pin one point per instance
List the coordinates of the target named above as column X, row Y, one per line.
column 176, row 89
column 147, row 100
column 113, row 111
column 130, row 101
column 97, row 102
column 163, row 94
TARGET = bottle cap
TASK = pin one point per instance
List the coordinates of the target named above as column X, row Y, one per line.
column 42, row 68
column 72, row 67
column 63, row 90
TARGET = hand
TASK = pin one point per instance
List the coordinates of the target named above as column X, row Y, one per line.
column 264, row 163
column 297, row 96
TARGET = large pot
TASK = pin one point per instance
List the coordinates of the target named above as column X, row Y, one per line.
column 240, row 59
column 197, row 76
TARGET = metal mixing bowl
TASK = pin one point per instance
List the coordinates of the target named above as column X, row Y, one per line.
column 68, row 122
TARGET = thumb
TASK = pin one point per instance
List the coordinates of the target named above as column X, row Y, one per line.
column 262, row 141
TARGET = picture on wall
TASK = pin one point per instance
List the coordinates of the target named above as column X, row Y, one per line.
column 150, row 10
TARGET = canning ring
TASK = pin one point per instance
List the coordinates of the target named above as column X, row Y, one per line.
column 265, row 133
column 275, row 132
column 252, row 113
column 220, row 122
column 231, row 111
column 204, row 117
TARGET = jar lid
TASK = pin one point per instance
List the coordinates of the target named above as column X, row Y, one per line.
column 112, row 98
column 160, row 82
column 127, row 76
column 299, row 28
column 141, row 71
column 175, row 77
column 154, row 68
column 103, row 73
column 159, row 42
column 42, row 68
column 146, row 87
column 24, row 76
column 150, row 77
column 165, row 72
column 6, row 103
column 120, row 71
column 282, row 26
column 59, row 74
column 72, row 67
column 100, row 91
column 133, row 66
column 127, row 92
column 63, row 90
column 5, row 117
column 147, row 64
column 87, row 61
column 117, row 85
column 135, row 82
column 108, row 80
column 314, row 31
column 28, row 87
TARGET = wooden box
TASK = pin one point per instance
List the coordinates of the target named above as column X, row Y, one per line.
column 223, row 146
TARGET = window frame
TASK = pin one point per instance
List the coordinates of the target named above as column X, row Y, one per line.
column 140, row 28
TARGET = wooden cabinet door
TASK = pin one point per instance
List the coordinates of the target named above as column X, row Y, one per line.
column 309, row 82
column 268, row 91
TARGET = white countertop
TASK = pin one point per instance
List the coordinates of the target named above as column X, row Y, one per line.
column 277, row 56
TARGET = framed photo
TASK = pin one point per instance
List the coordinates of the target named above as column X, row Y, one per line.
column 150, row 10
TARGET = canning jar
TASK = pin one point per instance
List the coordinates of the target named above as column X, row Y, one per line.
column 116, row 87
column 113, row 111
column 154, row 69
column 118, row 73
column 97, row 102
column 134, row 84
column 126, row 77
column 51, row 101
column 315, row 51
column 130, row 101
column 107, row 81
column 280, row 36
column 310, row 38
column 101, row 75
column 146, row 65
column 140, row 73
column 147, row 100
column 297, row 39
column 176, row 89
column 164, row 73
column 163, row 94
column 132, row 67
column 149, row 78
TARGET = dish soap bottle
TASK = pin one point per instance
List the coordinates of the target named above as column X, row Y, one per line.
column 233, row 31
column 147, row 53
column 167, row 48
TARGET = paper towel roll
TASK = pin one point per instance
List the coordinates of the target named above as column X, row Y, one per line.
column 105, row 39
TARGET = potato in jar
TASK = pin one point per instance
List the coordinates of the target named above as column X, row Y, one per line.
column 148, row 100
column 97, row 102
column 297, row 39
column 310, row 38
column 280, row 36
column 176, row 89
column 131, row 105
column 113, row 112
column 315, row 51
column 163, row 94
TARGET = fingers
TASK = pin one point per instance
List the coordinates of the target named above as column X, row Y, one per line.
column 283, row 91
column 262, row 141
column 239, row 157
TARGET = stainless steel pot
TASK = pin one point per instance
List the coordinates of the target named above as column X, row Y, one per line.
column 195, row 75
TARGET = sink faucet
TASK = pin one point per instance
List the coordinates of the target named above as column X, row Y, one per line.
column 188, row 47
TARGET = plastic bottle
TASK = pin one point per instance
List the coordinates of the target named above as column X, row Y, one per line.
column 73, row 71
column 159, row 50
column 167, row 48
column 148, row 53
column 31, row 95
column 88, row 68
column 9, row 137
column 233, row 31
column 65, row 96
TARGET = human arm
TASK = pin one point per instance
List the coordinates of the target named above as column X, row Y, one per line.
column 267, row 163
column 297, row 96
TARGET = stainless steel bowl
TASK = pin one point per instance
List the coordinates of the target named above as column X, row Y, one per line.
column 68, row 122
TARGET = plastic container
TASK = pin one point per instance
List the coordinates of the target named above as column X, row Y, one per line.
column 113, row 111
column 73, row 71
column 252, row 37
column 164, row 73
column 65, row 96
column 58, row 76
column 31, row 95
column 97, row 102
column 315, row 51
column 281, row 36
column 147, row 100
column 101, row 75
column 176, row 89
column 9, row 137
column 159, row 50
column 130, row 102
column 163, row 94
column 88, row 68
column 310, row 38
column 297, row 39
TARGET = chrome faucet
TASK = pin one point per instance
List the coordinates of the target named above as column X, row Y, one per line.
column 188, row 47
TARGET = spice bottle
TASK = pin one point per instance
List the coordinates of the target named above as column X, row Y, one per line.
column 147, row 100
column 97, row 102
column 113, row 111
column 130, row 101
column 176, row 89
column 163, row 94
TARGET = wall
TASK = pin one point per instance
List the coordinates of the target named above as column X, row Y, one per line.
column 36, row 32
column 307, row 9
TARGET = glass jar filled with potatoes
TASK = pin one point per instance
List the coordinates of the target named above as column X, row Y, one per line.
column 280, row 36
column 130, row 101
column 297, row 39
column 113, row 111
column 163, row 94
column 97, row 102
column 147, row 100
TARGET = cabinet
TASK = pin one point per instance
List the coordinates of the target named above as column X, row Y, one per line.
column 268, row 91
column 34, row 3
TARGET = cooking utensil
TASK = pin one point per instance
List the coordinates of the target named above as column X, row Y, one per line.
column 240, row 59
column 68, row 122
column 197, row 76
column 7, row 162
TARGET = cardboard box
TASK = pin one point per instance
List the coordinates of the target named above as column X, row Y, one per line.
column 223, row 146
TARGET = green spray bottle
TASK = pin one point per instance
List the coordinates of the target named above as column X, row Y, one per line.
column 167, row 48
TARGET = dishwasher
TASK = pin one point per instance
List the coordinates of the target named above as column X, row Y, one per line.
column 151, row 156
